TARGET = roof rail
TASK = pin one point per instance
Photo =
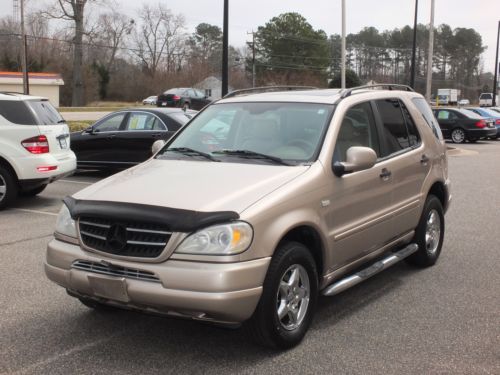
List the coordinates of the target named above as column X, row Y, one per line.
column 389, row 86
column 256, row 90
column 11, row 93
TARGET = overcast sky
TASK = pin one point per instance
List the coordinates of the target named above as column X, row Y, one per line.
column 245, row 15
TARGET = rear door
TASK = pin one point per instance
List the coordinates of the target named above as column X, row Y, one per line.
column 53, row 126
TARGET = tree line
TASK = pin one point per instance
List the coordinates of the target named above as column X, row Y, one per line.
column 103, row 54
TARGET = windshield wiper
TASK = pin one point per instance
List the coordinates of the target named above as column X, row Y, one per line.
column 251, row 155
column 189, row 151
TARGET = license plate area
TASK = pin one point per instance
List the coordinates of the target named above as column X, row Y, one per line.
column 63, row 143
column 110, row 288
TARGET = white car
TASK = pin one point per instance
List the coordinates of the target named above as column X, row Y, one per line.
column 463, row 102
column 150, row 100
column 34, row 146
column 486, row 99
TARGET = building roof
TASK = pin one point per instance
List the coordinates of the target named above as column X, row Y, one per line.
column 34, row 78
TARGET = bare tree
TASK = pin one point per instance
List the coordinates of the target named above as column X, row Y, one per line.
column 73, row 10
column 160, row 38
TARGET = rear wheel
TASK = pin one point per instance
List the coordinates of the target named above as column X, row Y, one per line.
column 429, row 234
column 458, row 135
column 288, row 300
column 8, row 187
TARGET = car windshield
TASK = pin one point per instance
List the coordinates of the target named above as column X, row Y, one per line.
column 276, row 133
column 45, row 112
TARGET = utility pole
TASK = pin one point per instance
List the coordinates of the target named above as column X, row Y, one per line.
column 24, row 53
column 497, row 68
column 253, row 58
column 225, row 47
column 414, row 49
column 342, row 79
column 428, row 86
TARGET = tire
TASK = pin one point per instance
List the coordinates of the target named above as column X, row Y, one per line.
column 458, row 135
column 431, row 224
column 8, row 187
column 297, row 300
column 33, row 192
column 94, row 305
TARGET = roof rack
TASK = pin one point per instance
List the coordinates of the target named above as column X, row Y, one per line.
column 256, row 90
column 11, row 93
column 389, row 86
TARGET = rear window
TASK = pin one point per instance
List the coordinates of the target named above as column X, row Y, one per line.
column 17, row 112
column 45, row 112
column 470, row 114
column 486, row 96
column 175, row 91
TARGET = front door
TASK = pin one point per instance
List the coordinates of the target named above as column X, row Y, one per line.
column 359, row 219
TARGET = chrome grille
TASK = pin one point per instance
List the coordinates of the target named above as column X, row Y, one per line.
column 112, row 270
column 142, row 240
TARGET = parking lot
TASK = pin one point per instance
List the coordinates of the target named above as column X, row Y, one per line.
column 440, row 320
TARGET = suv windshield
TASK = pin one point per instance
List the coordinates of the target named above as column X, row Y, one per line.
column 256, row 132
column 45, row 113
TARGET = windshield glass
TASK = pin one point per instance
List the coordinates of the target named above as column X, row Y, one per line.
column 45, row 112
column 256, row 132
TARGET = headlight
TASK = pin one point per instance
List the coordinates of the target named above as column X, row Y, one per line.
column 65, row 225
column 227, row 239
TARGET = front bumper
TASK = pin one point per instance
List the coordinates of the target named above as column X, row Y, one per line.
column 218, row 292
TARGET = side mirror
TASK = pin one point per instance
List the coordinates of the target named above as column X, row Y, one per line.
column 157, row 146
column 358, row 159
column 89, row 130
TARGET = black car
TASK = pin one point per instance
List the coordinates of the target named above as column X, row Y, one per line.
column 184, row 98
column 124, row 138
column 460, row 124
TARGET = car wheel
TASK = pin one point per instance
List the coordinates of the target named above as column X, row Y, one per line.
column 429, row 234
column 458, row 135
column 33, row 192
column 8, row 187
column 288, row 300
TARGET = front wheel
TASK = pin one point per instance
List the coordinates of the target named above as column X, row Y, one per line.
column 429, row 234
column 458, row 135
column 288, row 300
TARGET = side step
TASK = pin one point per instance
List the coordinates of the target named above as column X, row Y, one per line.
column 368, row 272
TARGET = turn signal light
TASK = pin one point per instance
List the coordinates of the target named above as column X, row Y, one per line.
column 481, row 124
column 36, row 145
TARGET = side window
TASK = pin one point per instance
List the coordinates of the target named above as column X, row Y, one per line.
column 443, row 115
column 17, row 112
column 357, row 129
column 428, row 116
column 111, row 124
column 159, row 125
column 199, row 94
column 191, row 93
column 412, row 128
column 394, row 126
column 140, row 121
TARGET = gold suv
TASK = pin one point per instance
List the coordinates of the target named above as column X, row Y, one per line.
column 257, row 206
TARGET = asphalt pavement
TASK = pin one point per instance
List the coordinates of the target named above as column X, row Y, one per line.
column 440, row 320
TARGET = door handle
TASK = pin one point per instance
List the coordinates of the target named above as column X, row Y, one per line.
column 156, row 135
column 424, row 159
column 385, row 174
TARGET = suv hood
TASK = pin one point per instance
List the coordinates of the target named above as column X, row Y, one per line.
column 193, row 185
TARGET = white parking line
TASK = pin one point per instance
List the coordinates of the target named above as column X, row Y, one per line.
column 77, row 182
column 35, row 211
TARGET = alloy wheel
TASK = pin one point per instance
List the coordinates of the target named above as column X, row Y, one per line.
column 293, row 297
column 3, row 188
column 458, row 136
column 432, row 232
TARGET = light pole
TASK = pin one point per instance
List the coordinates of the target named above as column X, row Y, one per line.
column 428, row 85
column 225, row 54
column 342, row 54
column 414, row 49
column 497, row 68
column 24, row 53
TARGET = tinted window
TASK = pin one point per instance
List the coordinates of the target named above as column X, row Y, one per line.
column 45, row 112
column 410, row 125
column 17, row 112
column 428, row 116
column 110, row 124
column 470, row 114
column 394, row 127
column 180, row 118
column 357, row 129
column 486, row 96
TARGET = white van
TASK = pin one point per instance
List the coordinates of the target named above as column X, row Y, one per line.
column 34, row 146
column 486, row 99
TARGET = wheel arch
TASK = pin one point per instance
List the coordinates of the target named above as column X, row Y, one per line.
column 5, row 163
column 438, row 189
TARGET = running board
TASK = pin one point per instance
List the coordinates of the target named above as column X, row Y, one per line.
column 368, row 272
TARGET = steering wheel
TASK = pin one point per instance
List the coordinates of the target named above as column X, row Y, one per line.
column 308, row 147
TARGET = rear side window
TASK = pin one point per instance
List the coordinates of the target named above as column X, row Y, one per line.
column 410, row 125
column 394, row 125
column 111, row 124
column 17, row 112
column 428, row 116
column 45, row 112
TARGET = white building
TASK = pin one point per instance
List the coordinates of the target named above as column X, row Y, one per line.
column 212, row 87
column 40, row 84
